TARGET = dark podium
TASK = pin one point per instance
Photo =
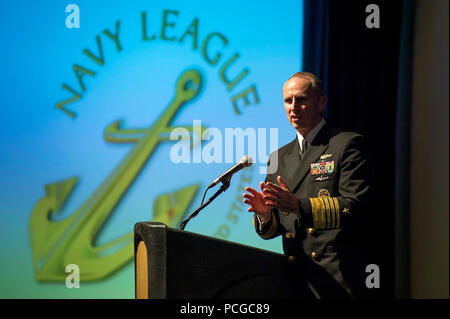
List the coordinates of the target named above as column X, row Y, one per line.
column 175, row 264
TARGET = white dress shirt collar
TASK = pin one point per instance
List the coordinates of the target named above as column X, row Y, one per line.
column 311, row 135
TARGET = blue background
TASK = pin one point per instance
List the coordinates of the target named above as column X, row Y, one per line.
column 39, row 144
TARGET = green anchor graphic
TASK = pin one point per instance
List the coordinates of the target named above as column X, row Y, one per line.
column 55, row 244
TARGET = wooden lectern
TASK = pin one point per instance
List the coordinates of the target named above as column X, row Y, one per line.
column 175, row 264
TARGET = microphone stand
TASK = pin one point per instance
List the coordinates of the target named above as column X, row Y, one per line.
column 224, row 187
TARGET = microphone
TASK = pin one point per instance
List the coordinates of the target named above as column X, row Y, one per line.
column 244, row 162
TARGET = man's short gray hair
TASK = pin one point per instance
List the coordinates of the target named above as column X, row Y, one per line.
column 316, row 83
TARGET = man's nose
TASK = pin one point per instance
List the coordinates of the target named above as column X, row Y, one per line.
column 295, row 104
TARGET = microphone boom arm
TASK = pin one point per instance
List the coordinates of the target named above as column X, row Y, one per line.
column 224, row 187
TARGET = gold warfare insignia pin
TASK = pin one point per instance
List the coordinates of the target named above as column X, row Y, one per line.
column 324, row 156
column 323, row 193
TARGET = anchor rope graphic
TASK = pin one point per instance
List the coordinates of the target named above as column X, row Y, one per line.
column 55, row 244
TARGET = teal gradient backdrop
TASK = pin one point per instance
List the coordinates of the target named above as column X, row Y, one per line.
column 40, row 144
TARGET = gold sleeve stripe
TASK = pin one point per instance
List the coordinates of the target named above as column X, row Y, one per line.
column 332, row 213
column 272, row 229
column 323, row 216
column 318, row 212
column 328, row 212
column 338, row 213
column 325, row 211
column 314, row 210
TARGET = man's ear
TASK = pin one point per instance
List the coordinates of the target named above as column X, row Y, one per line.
column 323, row 103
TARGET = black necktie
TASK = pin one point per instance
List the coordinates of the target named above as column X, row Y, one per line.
column 302, row 151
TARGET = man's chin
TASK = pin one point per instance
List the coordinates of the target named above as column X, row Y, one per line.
column 296, row 124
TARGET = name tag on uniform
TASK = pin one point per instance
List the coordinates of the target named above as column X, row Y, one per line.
column 322, row 168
